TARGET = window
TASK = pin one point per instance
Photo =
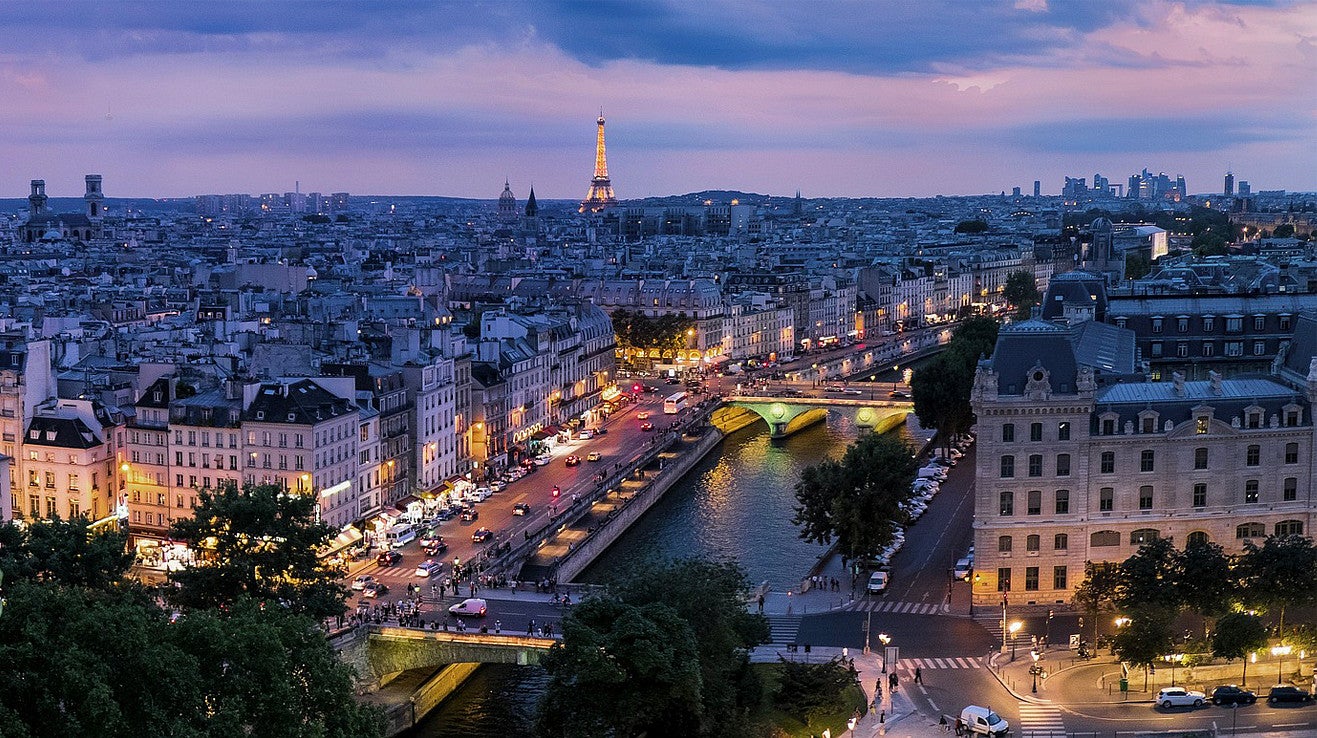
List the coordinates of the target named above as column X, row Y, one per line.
column 1196, row 538
column 1035, row 432
column 1156, row 348
column 1007, row 466
column 1035, row 502
column 1061, row 541
column 1007, row 503
column 1008, row 433
column 1234, row 324
column 1182, row 324
column 1148, row 424
column 1106, row 499
column 1291, row 489
column 1255, row 420
column 1200, row 495
column 1063, row 465
column 1108, row 427
column 1234, row 348
column 1031, row 578
column 1201, row 424
column 1144, row 535
column 1250, row 530
column 1251, row 491
column 1146, row 460
column 1145, row 497
column 1108, row 462
column 1063, row 502
column 1284, row 322
column 1156, row 325
column 1289, row 528
column 1182, row 349
column 1209, row 348
column 1259, row 348
column 1059, row 577
column 1253, row 456
column 1200, row 458
column 1259, row 322
column 1209, row 323
column 1032, row 543
column 1291, row 453
column 1035, row 465
column 1004, row 579
column 1104, row 538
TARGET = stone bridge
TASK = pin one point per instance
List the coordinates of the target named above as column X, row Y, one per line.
column 786, row 415
column 379, row 653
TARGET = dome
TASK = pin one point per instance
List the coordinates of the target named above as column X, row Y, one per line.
column 53, row 235
column 1101, row 224
column 507, row 196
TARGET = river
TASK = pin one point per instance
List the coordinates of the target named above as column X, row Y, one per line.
column 737, row 502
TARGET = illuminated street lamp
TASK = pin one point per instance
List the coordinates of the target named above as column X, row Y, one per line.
column 1034, row 670
column 884, row 639
column 1015, row 628
column 1280, row 652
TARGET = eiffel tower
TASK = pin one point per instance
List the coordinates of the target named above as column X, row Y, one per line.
column 600, row 195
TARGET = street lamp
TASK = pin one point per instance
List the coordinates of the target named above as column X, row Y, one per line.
column 884, row 639
column 1280, row 652
column 1121, row 622
column 1015, row 628
column 1034, row 670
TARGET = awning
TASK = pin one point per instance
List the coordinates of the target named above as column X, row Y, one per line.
column 443, row 488
column 405, row 503
column 345, row 538
column 544, row 433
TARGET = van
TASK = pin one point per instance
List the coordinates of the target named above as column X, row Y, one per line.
column 975, row 720
column 400, row 535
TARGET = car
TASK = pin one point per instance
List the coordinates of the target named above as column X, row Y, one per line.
column 430, row 537
column 483, row 493
column 436, row 549
column 388, row 558
column 521, row 508
column 428, row 567
column 642, row 415
column 1229, row 694
column 976, row 720
column 646, row 427
column 963, row 569
column 496, row 486
column 1286, row 693
column 470, row 516
column 446, row 513
column 877, row 582
column 481, row 535
column 585, row 435
column 850, row 391
column 377, row 589
column 593, row 456
column 543, row 460
column 362, row 582
column 651, row 388
column 572, row 460
column 898, row 395
column 1180, row 697
column 473, row 607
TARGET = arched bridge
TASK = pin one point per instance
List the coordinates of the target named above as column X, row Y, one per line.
column 786, row 415
column 379, row 652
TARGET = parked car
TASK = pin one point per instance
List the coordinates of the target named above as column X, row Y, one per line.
column 963, row 569
column 445, row 513
column 481, row 535
column 572, row 460
column 877, row 582
column 1286, row 693
column 520, row 508
column 593, row 456
column 388, row 558
column 428, row 568
column 585, row 435
column 474, row 607
column 898, row 395
column 543, row 460
column 1180, row 697
column 1229, row 694
column 362, row 582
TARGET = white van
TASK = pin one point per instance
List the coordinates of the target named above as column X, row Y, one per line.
column 400, row 535
column 975, row 720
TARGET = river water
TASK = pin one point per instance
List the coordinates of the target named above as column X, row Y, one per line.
column 737, row 502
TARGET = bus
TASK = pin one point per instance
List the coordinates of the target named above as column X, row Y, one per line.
column 675, row 403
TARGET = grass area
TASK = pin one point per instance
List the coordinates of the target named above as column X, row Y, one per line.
column 774, row 723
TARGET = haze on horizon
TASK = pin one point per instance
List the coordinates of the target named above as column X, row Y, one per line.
column 884, row 99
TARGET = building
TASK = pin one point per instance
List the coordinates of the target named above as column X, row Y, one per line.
column 600, row 195
column 69, row 472
column 42, row 224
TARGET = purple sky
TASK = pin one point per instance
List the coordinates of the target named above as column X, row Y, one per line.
column 864, row 98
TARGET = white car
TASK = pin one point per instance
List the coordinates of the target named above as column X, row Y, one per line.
column 963, row 569
column 878, row 582
column 543, row 460
column 428, row 568
column 360, row 582
column 585, row 435
column 1180, row 697
column 473, row 607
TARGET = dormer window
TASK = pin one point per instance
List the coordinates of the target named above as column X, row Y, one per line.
column 157, row 396
column 1202, row 423
column 260, row 415
column 1148, row 421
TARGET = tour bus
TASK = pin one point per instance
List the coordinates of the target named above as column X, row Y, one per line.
column 675, row 403
column 400, row 535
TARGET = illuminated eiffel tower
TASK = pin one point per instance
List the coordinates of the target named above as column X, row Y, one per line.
column 600, row 195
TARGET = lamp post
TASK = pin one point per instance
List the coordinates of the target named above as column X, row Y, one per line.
column 1280, row 652
column 1015, row 628
column 1034, row 670
column 884, row 639
column 1121, row 622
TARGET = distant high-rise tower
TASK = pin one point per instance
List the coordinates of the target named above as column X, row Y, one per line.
column 1037, row 188
column 1245, row 189
column 600, row 195
column 1230, row 183
column 507, row 204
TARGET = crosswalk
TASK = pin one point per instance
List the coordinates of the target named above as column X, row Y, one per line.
column 899, row 608
column 942, row 663
column 783, row 628
column 1040, row 721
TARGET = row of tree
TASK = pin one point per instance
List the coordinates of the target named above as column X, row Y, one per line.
column 1159, row 582
column 635, row 330
column 229, row 647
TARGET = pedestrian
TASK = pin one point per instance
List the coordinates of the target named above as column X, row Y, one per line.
column 761, row 603
column 919, row 675
column 946, row 727
column 498, row 626
column 530, row 628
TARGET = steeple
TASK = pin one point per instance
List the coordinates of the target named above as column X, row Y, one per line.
column 532, row 209
column 37, row 200
column 600, row 195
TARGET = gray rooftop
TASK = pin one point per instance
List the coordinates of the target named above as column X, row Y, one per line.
column 1231, row 389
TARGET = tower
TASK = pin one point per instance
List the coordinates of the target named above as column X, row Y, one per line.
column 37, row 200
column 94, row 198
column 532, row 207
column 1230, row 183
column 600, row 195
column 507, row 204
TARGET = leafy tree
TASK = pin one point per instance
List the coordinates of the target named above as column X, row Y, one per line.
column 257, row 542
column 941, row 394
column 1021, row 291
column 1147, row 580
column 1144, row 639
column 1096, row 594
column 857, row 499
column 1237, row 635
column 1284, row 230
column 1203, row 585
column 64, row 552
column 1280, row 573
column 622, row 670
column 1137, row 266
column 807, row 690
column 973, row 339
column 971, row 226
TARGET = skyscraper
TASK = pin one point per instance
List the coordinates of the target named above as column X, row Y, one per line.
column 600, row 195
column 1230, row 183
column 1037, row 188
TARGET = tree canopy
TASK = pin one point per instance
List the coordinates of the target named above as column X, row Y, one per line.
column 64, row 552
column 1021, row 292
column 941, row 389
column 257, row 542
column 972, row 226
column 635, row 330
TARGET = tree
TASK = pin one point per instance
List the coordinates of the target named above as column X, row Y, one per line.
column 857, row 499
column 258, row 542
column 971, row 226
column 1094, row 595
column 1237, row 635
column 1143, row 640
column 1137, row 266
column 1146, row 581
column 622, row 670
column 807, row 690
column 64, row 552
column 941, row 389
column 1284, row 230
column 1204, row 585
column 1280, row 573
column 1021, row 291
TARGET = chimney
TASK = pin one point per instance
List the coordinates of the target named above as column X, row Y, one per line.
column 1177, row 378
column 1215, row 379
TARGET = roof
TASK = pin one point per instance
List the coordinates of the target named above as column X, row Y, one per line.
column 1199, row 392
column 300, row 403
column 1061, row 350
column 63, row 432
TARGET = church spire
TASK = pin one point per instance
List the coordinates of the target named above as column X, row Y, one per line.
column 532, row 208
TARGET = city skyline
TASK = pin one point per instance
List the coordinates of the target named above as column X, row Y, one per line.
column 884, row 99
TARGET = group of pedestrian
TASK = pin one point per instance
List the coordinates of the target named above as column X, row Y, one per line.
column 827, row 584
